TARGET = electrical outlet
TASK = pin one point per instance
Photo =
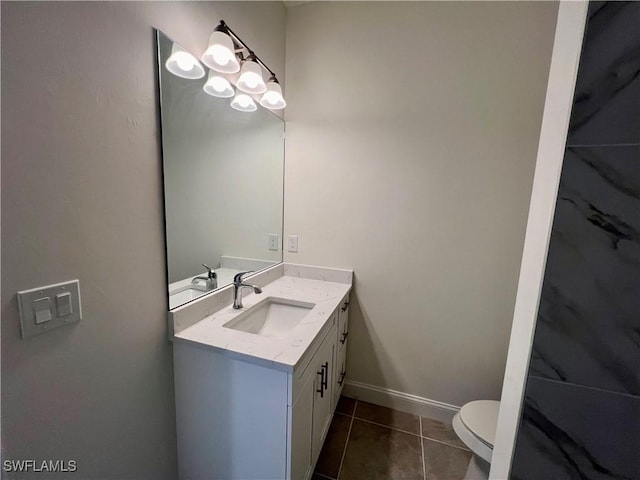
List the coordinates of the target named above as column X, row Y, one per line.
column 292, row 243
column 273, row 242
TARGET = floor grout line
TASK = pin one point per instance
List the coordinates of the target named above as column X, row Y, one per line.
column 412, row 433
column 447, row 444
column 424, row 468
column 423, row 445
column 388, row 426
column 344, row 452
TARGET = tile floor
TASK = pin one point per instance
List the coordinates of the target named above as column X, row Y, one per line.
column 369, row 442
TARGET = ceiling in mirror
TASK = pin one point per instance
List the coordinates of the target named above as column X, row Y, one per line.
column 223, row 180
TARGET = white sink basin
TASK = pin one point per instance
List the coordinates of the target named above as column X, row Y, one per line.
column 185, row 294
column 271, row 317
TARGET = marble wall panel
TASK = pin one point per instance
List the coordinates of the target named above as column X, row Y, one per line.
column 581, row 413
column 607, row 98
column 572, row 432
column 588, row 328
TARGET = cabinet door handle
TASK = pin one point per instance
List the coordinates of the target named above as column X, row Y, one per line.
column 324, row 374
column 344, row 337
column 342, row 375
column 325, row 377
column 321, row 390
column 345, row 306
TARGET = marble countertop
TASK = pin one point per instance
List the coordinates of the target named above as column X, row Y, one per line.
column 276, row 352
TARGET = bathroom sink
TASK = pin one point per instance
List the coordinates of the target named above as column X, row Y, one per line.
column 185, row 294
column 271, row 317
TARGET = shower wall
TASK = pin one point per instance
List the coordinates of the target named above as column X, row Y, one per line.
column 581, row 412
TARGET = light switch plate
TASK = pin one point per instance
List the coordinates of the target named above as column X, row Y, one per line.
column 64, row 306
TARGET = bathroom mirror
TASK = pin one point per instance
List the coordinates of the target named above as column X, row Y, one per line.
column 223, row 184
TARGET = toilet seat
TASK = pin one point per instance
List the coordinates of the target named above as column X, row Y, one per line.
column 481, row 417
column 475, row 424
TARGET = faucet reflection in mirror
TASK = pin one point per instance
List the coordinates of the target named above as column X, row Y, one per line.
column 211, row 280
column 226, row 55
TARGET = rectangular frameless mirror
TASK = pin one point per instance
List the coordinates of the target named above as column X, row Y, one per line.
column 223, row 185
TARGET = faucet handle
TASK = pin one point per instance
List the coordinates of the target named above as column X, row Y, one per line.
column 237, row 278
column 212, row 274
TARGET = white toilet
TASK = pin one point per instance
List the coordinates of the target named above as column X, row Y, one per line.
column 475, row 424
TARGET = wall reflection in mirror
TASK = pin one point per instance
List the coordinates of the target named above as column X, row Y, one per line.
column 223, row 183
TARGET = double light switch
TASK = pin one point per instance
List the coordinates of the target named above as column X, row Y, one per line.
column 45, row 308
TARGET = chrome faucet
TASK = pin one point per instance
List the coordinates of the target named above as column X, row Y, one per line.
column 211, row 279
column 237, row 289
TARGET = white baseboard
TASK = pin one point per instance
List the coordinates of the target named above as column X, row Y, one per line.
column 404, row 402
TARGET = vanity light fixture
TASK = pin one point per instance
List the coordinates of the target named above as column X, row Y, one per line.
column 218, row 86
column 243, row 103
column 220, row 54
column 273, row 98
column 251, row 80
column 224, row 55
column 183, row 64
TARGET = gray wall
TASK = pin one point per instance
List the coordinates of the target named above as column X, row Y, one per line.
column 412, row 132
column 82, row 198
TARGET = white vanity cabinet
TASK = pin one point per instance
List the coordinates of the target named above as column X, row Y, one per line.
column 238, row 419
column 312, row 409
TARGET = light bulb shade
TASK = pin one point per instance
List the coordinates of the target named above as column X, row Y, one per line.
column 272, row 98
column 218, row 86
column 243, row 103
column 251, row 80
column 183, row 64
column 220, row 54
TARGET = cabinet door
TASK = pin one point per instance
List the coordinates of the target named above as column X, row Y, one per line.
column 323, row 392
column 341, row 371
column 301, row 425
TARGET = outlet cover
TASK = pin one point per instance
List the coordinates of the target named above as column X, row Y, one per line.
column 273, row 242
column 292, row 243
